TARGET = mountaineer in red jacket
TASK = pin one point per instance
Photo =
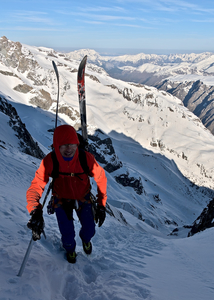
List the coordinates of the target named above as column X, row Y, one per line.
column 71, row 189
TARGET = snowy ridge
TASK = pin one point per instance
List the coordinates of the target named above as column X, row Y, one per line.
column 174, row 64
column 158, row 161
column 138, row 58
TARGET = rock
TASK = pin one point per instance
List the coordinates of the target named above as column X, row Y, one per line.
column 205, row 220
column 26, row 142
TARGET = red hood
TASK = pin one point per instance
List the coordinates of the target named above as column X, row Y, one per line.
column 64, row 134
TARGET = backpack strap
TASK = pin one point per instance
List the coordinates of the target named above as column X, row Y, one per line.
column 55, row 171
column 83, row 161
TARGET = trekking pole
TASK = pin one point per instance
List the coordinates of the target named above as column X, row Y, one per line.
column 25, row 258
column 31, row 241
column 48, row 190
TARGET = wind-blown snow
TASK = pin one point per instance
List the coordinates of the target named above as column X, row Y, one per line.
column 134, row 256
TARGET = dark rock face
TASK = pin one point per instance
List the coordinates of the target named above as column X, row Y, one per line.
column 26, row 142
column 135, row 183
column 196, row 96
column 205, row 220
column 102, row 149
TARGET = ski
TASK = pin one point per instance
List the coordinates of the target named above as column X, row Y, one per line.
column 82, row 100
column 82, row 106
column 57, row 77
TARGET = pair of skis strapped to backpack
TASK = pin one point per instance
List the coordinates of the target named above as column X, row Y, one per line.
column 83, row 139
column 81, row 94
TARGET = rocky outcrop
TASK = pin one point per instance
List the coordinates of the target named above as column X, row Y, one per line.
column 69, row 111
column 101, row 147
column 205, row 220
column 13, row 55
column 135, row 183
column 23, row 88
column 26, row 142
column 42, row 99
column 196, row 96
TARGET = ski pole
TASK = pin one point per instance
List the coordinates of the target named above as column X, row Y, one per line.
column 49, row 188
column 31, row 241
column 25, row 258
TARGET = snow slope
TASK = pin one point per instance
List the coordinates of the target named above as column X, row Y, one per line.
column 132, row 260
column 186, row 76
column 162, row 146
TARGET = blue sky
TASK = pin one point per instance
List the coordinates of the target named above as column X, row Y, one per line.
column 122, row 25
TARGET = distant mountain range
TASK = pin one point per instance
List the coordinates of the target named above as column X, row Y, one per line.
column 190, row 77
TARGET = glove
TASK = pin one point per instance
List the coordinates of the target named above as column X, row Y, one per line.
column 100, row 215
column 36, row 224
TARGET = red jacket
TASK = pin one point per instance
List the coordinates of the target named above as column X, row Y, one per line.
column 67, row 187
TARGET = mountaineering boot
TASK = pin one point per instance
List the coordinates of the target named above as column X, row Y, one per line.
column 71, row 257
column 87, row 247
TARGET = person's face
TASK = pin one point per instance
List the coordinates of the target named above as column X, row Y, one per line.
column 68, row 150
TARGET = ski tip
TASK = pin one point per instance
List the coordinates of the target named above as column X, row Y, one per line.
column 55, row 69
column 81, row 69
column 83, row 61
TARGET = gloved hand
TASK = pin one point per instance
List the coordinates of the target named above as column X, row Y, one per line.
column 36, row 224
column 100, row 215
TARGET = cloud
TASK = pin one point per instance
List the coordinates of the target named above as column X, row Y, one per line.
column 32, row 17
column 23, row 28
column 132, row 26
column 92, row 22
column 114, row 24
column 203, row 21
column 170, row 6
column 102, row 9
column 162, row 21
column 98, row 17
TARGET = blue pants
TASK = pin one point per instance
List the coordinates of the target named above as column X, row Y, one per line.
column 66, row 226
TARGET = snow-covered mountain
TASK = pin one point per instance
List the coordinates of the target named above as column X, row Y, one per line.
column 142, row 113
column 135, row 67
column 158, row 161
column 190, row 77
